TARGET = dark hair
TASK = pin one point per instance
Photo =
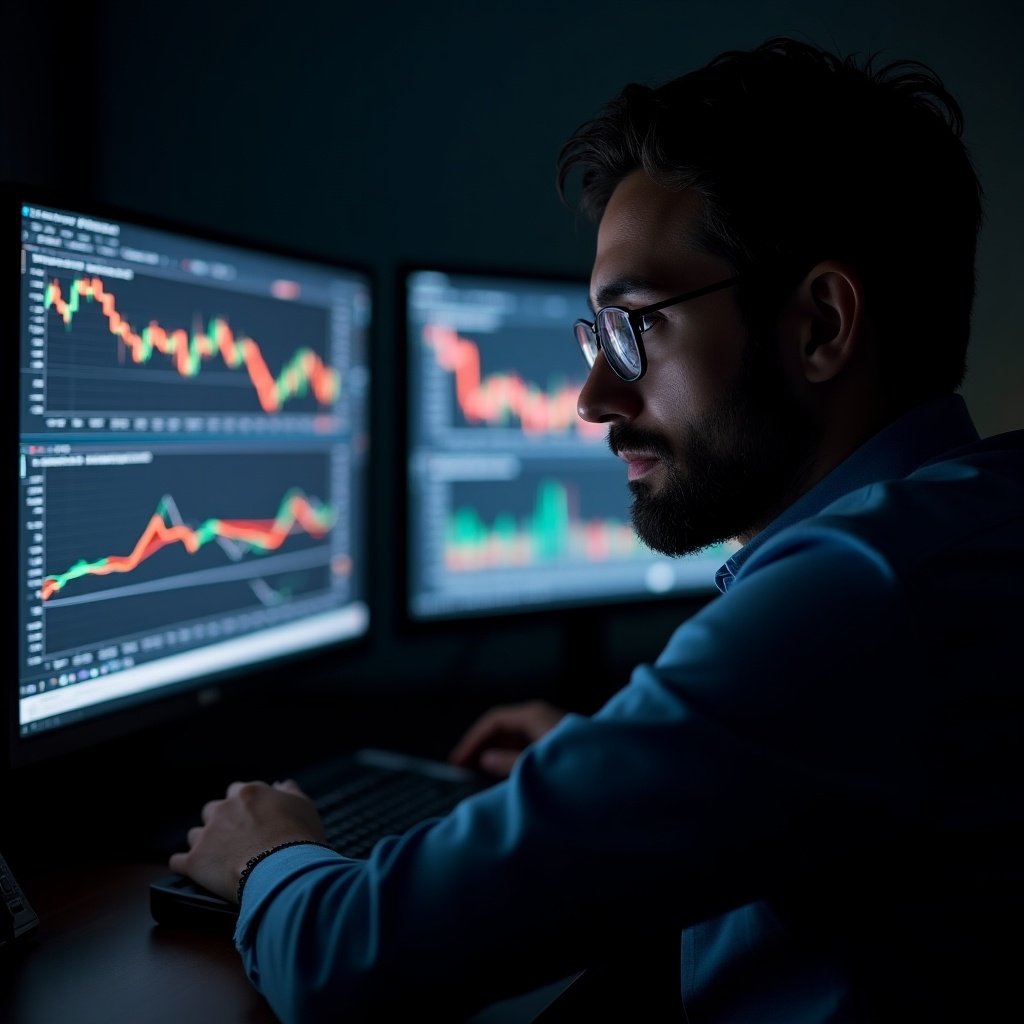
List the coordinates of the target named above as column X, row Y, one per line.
column 800, row 155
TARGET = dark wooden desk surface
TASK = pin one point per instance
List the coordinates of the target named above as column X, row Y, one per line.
column 98, row 957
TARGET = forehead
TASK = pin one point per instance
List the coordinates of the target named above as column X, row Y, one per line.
column 647, row 233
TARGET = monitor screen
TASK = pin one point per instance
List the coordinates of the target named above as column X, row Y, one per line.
column 514, row 502
column 192, row 446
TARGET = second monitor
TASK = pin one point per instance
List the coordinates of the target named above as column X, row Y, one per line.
column 514, row 502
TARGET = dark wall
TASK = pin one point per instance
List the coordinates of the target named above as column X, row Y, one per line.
column 391, row 132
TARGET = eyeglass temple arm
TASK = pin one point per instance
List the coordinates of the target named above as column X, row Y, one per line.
column 695, row 294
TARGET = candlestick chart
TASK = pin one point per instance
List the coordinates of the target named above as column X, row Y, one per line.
column 536, row 400
column 148, row 346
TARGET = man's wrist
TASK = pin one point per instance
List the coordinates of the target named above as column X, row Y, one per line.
column 251, row 863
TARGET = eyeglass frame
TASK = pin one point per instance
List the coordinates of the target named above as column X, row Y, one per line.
column 633, row 319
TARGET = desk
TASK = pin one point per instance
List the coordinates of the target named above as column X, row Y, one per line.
column 98, row 957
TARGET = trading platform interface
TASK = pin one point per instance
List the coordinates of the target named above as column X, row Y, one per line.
column 192, row 447
column 515, row 502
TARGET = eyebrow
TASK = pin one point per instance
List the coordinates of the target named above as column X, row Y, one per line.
column 621, row 288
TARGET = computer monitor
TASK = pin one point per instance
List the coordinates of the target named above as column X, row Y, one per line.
column 192, row 430
column 514, row 503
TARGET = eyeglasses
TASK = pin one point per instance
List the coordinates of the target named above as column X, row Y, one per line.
column 616, row 332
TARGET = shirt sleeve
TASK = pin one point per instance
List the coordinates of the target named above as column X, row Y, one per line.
column 723, row 771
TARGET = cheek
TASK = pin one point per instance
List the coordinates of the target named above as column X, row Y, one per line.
column 670, row 402
column 687, row 389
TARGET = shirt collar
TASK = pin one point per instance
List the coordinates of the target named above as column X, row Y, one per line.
column 893, row 453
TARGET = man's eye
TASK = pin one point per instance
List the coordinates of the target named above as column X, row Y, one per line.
column 647, row 322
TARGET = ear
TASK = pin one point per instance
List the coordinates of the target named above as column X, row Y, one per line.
column 828, row 320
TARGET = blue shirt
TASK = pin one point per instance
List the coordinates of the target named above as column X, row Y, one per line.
column 817, row 783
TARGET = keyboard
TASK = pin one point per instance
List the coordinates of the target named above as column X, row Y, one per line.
column 362, row 798
column 377, row 793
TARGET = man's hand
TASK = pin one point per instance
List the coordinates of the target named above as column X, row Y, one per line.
column 252, row 818
column 498, row 737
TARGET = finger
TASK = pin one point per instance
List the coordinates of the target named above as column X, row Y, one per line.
column 509, row 725
column 496, row 721
column 290, row 786
column 236, row 787
column 499, row 762
column 209, row 809
column 193, row 834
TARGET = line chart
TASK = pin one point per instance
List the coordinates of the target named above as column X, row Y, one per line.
column 297, row 512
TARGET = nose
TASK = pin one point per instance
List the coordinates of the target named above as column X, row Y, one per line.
column 605, row 397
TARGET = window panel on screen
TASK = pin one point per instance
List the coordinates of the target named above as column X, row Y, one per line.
column 514, row 502
column 192, row 434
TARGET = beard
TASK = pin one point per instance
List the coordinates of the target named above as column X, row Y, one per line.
column 743, row 462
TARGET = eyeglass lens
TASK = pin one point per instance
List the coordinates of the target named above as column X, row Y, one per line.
column 616, row 338
column 619, row 342
column 587, row 341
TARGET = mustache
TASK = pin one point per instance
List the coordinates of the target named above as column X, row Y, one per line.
column 623, row 437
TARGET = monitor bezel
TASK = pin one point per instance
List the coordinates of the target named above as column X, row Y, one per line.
column 172, row 706
column 574, row 615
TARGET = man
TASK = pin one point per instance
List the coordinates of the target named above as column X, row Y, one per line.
column 816, row 784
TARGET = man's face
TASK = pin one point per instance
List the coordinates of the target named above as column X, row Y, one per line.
column 713, row 439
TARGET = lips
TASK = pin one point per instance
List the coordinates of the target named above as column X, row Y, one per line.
column 638, row 464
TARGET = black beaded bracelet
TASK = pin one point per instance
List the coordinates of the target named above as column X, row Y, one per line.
column 253, row 861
